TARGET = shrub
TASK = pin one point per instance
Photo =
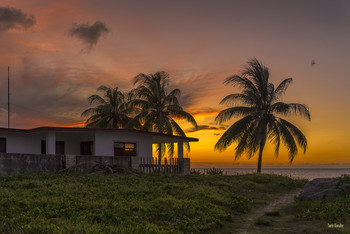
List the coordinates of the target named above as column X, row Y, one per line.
column 263, row 221
column 272, row 213
column 214, row 171
column 195, row 172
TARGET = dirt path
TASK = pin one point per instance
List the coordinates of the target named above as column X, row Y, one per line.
column 272, row 206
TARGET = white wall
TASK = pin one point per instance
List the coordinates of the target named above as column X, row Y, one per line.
column 72, row 141
column 23, row 142
column 104, row 143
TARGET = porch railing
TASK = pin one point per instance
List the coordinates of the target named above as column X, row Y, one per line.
column 150, row 165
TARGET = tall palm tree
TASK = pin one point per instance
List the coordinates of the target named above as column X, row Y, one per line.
column 260, row 115
column 112, row 109
column 159, row 109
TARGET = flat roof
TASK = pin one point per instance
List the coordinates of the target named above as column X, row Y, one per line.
column 156, row 136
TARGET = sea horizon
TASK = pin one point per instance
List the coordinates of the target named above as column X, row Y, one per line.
column 293, row 172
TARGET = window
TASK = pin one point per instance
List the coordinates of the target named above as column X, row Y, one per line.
column 2, row 145
column 124, row 149
column 86, row 147
column 43, row 147
column 59, row 147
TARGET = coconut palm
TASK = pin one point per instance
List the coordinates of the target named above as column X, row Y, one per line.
column 261, row 115
column 159, row 109
column 112, row 109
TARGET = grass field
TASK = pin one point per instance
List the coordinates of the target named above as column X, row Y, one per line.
column 146, row 203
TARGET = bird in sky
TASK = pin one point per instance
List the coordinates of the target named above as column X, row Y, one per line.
column 313, row 62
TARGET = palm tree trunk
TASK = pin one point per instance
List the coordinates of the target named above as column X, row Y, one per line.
column 159, row 153
column 262, row 145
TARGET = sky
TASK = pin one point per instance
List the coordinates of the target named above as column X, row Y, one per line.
column 60, row 52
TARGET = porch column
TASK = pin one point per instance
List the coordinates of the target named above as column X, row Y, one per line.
column 180, row 149
column 51, row 143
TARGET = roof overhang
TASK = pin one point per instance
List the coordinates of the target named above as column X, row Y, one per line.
column 156, row 137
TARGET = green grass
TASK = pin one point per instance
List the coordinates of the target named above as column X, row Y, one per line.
column 262, row 221
column 315, row 216
column 272, row 213
column 146, row 203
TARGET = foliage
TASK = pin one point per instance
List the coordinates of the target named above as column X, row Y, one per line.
column 262, row 221
column 334, row 210
column 272, row 213
column 195, row 172
column 214, row 171
column 117, row 203
column 260, row 110
column 112, row 110
column 344, row 179
column 159, row 109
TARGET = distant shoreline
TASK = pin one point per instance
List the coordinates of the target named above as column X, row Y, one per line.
column 297, row 173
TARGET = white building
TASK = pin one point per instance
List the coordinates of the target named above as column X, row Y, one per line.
column 85, row 141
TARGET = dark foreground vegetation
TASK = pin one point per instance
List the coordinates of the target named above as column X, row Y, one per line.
column 311, row 216
column 146, row 203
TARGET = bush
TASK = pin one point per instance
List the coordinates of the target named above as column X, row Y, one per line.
column 214, row 171
column 195, row 172
column 263, row 221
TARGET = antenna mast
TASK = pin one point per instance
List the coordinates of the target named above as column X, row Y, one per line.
column 8, row 96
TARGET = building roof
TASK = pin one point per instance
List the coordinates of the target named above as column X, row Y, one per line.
column 156, row 137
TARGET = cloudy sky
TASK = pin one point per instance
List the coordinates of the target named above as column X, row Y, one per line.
column 59, row 52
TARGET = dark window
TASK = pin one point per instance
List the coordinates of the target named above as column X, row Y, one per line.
column 124, row 149
column 2, row 145
column 86, row 147
column 59, row 147
column 43, row 147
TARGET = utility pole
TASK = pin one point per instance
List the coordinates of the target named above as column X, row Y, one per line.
column 8, row 96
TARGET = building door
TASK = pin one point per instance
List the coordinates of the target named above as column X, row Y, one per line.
column 2, row 145
column 59, row 147
column 86, row 147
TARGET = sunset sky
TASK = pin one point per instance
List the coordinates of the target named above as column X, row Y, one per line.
column 61, row 51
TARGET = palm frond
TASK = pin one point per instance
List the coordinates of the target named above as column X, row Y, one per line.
column 288, row 141
column 291, row 108
column 301, row 139
column 242, row 82
column 237, row 111
column 282, row 87
column 237, row 98
column 233, row 133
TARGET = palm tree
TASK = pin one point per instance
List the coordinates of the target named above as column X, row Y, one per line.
column 112, row 109
column 260, row 115
column 159, row 109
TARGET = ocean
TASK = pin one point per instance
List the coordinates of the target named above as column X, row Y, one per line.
column 301, row 173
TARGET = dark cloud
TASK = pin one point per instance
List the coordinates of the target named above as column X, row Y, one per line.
column 205, row 127
column 204, row 111
column 13, row 18
column 89, row 34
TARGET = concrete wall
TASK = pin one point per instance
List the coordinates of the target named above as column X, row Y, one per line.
column 26, row 163
column 23, row 163
column 184, row 165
